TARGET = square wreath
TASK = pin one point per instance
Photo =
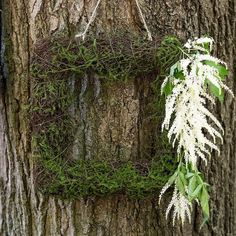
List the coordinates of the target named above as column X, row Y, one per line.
column 67, row 80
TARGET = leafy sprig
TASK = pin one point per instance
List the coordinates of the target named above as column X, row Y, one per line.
column 196, row 78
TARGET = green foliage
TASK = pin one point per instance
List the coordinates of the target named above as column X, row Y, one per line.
column 88, row 178
column 186, row 88
column 222, row 72
column 114, row 57
column 169, row 52
column 189, row 182
column 197, row 190
column 55, row 64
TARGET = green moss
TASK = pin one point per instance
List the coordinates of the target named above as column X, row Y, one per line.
column 88, row 178
column 115, row 57
column 55, row 64
column 168, row 53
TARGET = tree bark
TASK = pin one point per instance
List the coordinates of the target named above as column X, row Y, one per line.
column 23, row 210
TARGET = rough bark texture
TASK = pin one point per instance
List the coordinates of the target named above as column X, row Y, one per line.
column 25, row 212
column 113, row 119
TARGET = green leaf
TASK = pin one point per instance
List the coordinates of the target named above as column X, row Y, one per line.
column 174, row 68
column 196, row 191
column 204, row 201
column 207, row 47
column 221, row 68
column 180, row 185
column 192, row 185
column 216, row 91
column 204, row 198
column 182, row 177
column 189, row 175
column 179, row 75
column 167, row 89
column 172, row 178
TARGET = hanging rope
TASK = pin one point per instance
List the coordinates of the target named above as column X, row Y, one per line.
column 83, row 35
column 144, row 21
column 92, row 18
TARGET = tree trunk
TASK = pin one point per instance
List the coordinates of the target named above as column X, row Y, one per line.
column 23, row 210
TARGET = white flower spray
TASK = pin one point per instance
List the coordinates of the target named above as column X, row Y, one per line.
column 187, row 120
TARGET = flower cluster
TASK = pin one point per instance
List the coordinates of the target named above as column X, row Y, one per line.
column 187, row 119
column 182, row 206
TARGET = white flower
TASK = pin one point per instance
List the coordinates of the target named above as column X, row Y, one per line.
column 167, row 185
column 186, row 117
column 204, row 40
column 198, row 44
column 181, row 207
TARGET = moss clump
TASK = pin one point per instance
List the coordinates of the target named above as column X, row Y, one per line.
column 168, row 53
column 121, row 56
column 58, row 62
column 99, row 178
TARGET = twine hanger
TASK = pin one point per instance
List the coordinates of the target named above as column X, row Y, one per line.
column 93, row 16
